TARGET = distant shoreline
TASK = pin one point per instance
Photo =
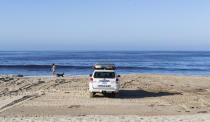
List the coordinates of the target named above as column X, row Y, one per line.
column 50, row 76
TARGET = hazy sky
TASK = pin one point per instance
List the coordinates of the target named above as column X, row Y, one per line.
column 104, row 24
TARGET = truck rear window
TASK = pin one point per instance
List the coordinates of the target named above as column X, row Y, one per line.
column 104, row 75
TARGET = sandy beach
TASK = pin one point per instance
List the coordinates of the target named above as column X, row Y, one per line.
column 143, row 97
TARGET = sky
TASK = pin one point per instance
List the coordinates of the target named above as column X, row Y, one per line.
column 105, row 25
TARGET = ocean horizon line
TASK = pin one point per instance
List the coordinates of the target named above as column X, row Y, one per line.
column 106, row 50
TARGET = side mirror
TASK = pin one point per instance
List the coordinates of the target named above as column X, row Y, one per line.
column 90, row 75
column 118, row 76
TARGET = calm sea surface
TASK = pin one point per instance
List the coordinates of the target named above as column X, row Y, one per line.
column 36, row 63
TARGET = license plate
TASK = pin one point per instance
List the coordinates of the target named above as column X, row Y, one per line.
column 104, row 85
column 104, row 80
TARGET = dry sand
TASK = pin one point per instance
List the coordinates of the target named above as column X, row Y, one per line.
column 142, row 98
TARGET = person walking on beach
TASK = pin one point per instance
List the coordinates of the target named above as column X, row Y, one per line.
column 53, row 69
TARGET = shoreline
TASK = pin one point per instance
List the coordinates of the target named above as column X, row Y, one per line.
column 69, row 75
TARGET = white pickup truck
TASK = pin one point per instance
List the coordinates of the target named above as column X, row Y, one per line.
column 104, row 79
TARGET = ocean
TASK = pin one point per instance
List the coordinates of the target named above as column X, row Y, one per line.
column 38, row 63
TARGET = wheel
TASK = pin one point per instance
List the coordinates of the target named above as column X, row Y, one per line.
column 116, row 95
column 92, row 94
column 104, row 93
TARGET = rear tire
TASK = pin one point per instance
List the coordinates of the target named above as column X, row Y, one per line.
column 105, row 94
column 116, row 95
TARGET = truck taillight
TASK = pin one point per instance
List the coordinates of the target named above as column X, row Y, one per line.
column 117, row 80
column 91, row 79
column 93, row 68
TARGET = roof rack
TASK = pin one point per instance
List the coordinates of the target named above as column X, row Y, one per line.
column 104, row 63
column 104, row 66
